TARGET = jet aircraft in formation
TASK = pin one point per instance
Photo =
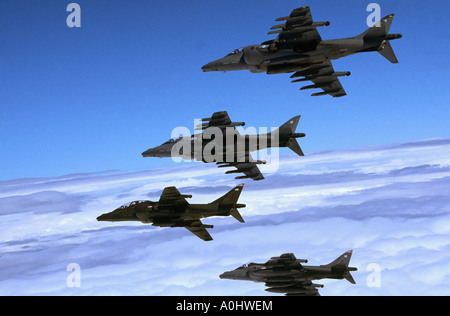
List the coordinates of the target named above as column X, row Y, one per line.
column 172, row 210
column 235, row 149
column 286, row 274
column 299, row 49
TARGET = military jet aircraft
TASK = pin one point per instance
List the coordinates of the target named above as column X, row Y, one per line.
column 299, row 49
column 286, row 274
column 228, row 148
column 172, row 210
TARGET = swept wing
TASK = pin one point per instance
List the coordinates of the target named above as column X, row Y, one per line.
column 172, row 197
column 299, row 32
column 248, row 166
column 219, row 120
column 324, row 77
column 242, row 161
column 199, row 230
column 295, row 284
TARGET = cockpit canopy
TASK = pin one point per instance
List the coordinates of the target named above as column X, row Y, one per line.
column 130, row 204
column 237, row 51
column 172, row 141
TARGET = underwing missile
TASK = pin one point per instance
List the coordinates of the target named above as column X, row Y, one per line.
column 316, row 86
column 325, row 93
column 319, row 24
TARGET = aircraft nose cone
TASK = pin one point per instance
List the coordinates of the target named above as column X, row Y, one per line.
column 207, row 67
column 108, row 217
column 102, row 218
column 163, row 151
column 149, row 153
column 228, row 275
column 212, row 66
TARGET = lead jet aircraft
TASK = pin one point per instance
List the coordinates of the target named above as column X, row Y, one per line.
column 221, row 143
column 172, row 210
column 299, row 49
column 286, row 274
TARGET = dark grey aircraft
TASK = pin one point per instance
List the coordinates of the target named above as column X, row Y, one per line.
column 299, row 49
column 287, row 275
column 172, row 210
column 222, row 143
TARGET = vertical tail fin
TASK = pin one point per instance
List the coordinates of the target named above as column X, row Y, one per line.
column 380, row 32
column 343, row 260
column 380, row 29
column 228, row 202
column 289, row 127
column 288, row 136
column 341, row 265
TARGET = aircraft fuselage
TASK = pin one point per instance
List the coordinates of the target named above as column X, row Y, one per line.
column 259, row 58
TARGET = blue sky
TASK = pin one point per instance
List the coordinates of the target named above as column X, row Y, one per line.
column 94, row 98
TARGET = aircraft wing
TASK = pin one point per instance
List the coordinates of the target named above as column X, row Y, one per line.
column 242, row 161
column 171, row 196
column 294, row 288
column 299, row 32
column 218, row 119
column 285, row 261
column 295, row 285
column 324, row 77
column 249, row 167
column 199, row 230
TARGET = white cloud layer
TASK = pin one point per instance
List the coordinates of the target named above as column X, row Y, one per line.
column 390, row 204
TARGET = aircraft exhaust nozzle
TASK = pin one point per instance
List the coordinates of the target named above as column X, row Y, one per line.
column 299, row 135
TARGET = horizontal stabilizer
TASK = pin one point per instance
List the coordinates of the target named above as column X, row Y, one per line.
column 235, row 213
column 295, row 147
column 387, row 51
column 349, row 278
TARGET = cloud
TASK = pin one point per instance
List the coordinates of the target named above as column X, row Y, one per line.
column 389, row 203
column 41, row 203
